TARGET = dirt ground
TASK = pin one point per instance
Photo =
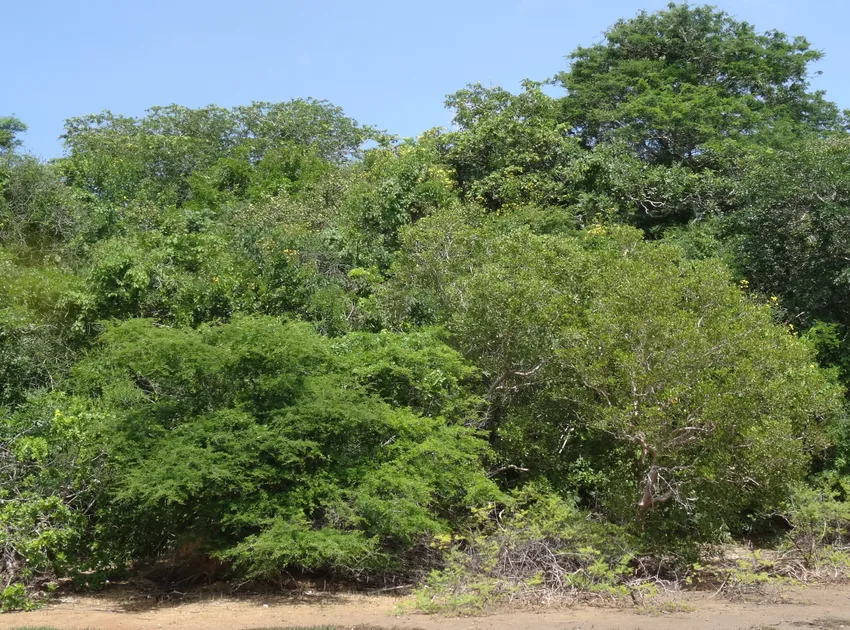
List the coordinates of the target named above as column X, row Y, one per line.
column 827, row 608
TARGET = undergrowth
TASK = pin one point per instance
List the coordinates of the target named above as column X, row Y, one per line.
column 542, row 550
column 539, row 550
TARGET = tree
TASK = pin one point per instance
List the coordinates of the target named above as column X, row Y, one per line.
column 37, row 210
column 393, row 187
column 510, row 149
column 266, row 339
column 790, row 234
column 514, row 151
column 619, row 369
column 40, row 315
column 10, row 127
column 153, row 158
column 54, row 475
column 673, row 83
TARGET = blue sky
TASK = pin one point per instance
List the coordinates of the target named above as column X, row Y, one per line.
column 388, row 64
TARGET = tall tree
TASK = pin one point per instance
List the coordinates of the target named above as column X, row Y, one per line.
column 672, row 82
column 153, row 158
column 791, row 234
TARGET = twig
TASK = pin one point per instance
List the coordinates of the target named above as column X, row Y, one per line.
column 493, row 473
column 390, row 588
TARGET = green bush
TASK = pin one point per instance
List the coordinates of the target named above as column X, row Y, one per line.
column 40, row 326
column 54, row 477
column 819, row 516
column 319, row 357
column 258, row 443
column 15, row 597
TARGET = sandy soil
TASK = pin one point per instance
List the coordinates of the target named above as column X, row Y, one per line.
column 827, row 608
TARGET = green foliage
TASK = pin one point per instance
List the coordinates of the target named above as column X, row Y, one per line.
column 15, row 597
column 36, row 209
column 238, row 342
column 191, row 266
column 510, row 150
column 254, row 440
column 820, row 519
column 790, row 238
column 618, row 368
column 677, row 81
column 394, row 187
column 284, row 169
column 175, row 154
column 173, row 275
column 10, row 127
column 745, row 574
column 54, row 474
column 415, row 370
column 39, row 310
column 514, row 150
column 617, row 185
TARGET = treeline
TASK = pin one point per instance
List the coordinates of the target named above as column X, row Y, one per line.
column 269, row 340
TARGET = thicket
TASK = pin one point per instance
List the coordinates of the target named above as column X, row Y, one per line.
column 567, row 346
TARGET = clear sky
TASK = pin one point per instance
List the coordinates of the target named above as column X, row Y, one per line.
column 387, row 63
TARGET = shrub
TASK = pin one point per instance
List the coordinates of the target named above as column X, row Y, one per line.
column 538, row 549
column 54, row 474
column 259, row 442
column 14, row 597
column 819, row 516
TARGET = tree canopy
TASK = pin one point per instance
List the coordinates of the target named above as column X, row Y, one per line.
column 674, row 83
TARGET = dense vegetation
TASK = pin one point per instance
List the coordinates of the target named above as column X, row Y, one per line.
column 268, row 340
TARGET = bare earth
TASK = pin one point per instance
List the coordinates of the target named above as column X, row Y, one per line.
column 821, row 607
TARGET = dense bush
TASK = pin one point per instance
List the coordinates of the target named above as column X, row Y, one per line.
column 618, row 369
column 257, row 442
column 510, row 356
column 55, row 474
